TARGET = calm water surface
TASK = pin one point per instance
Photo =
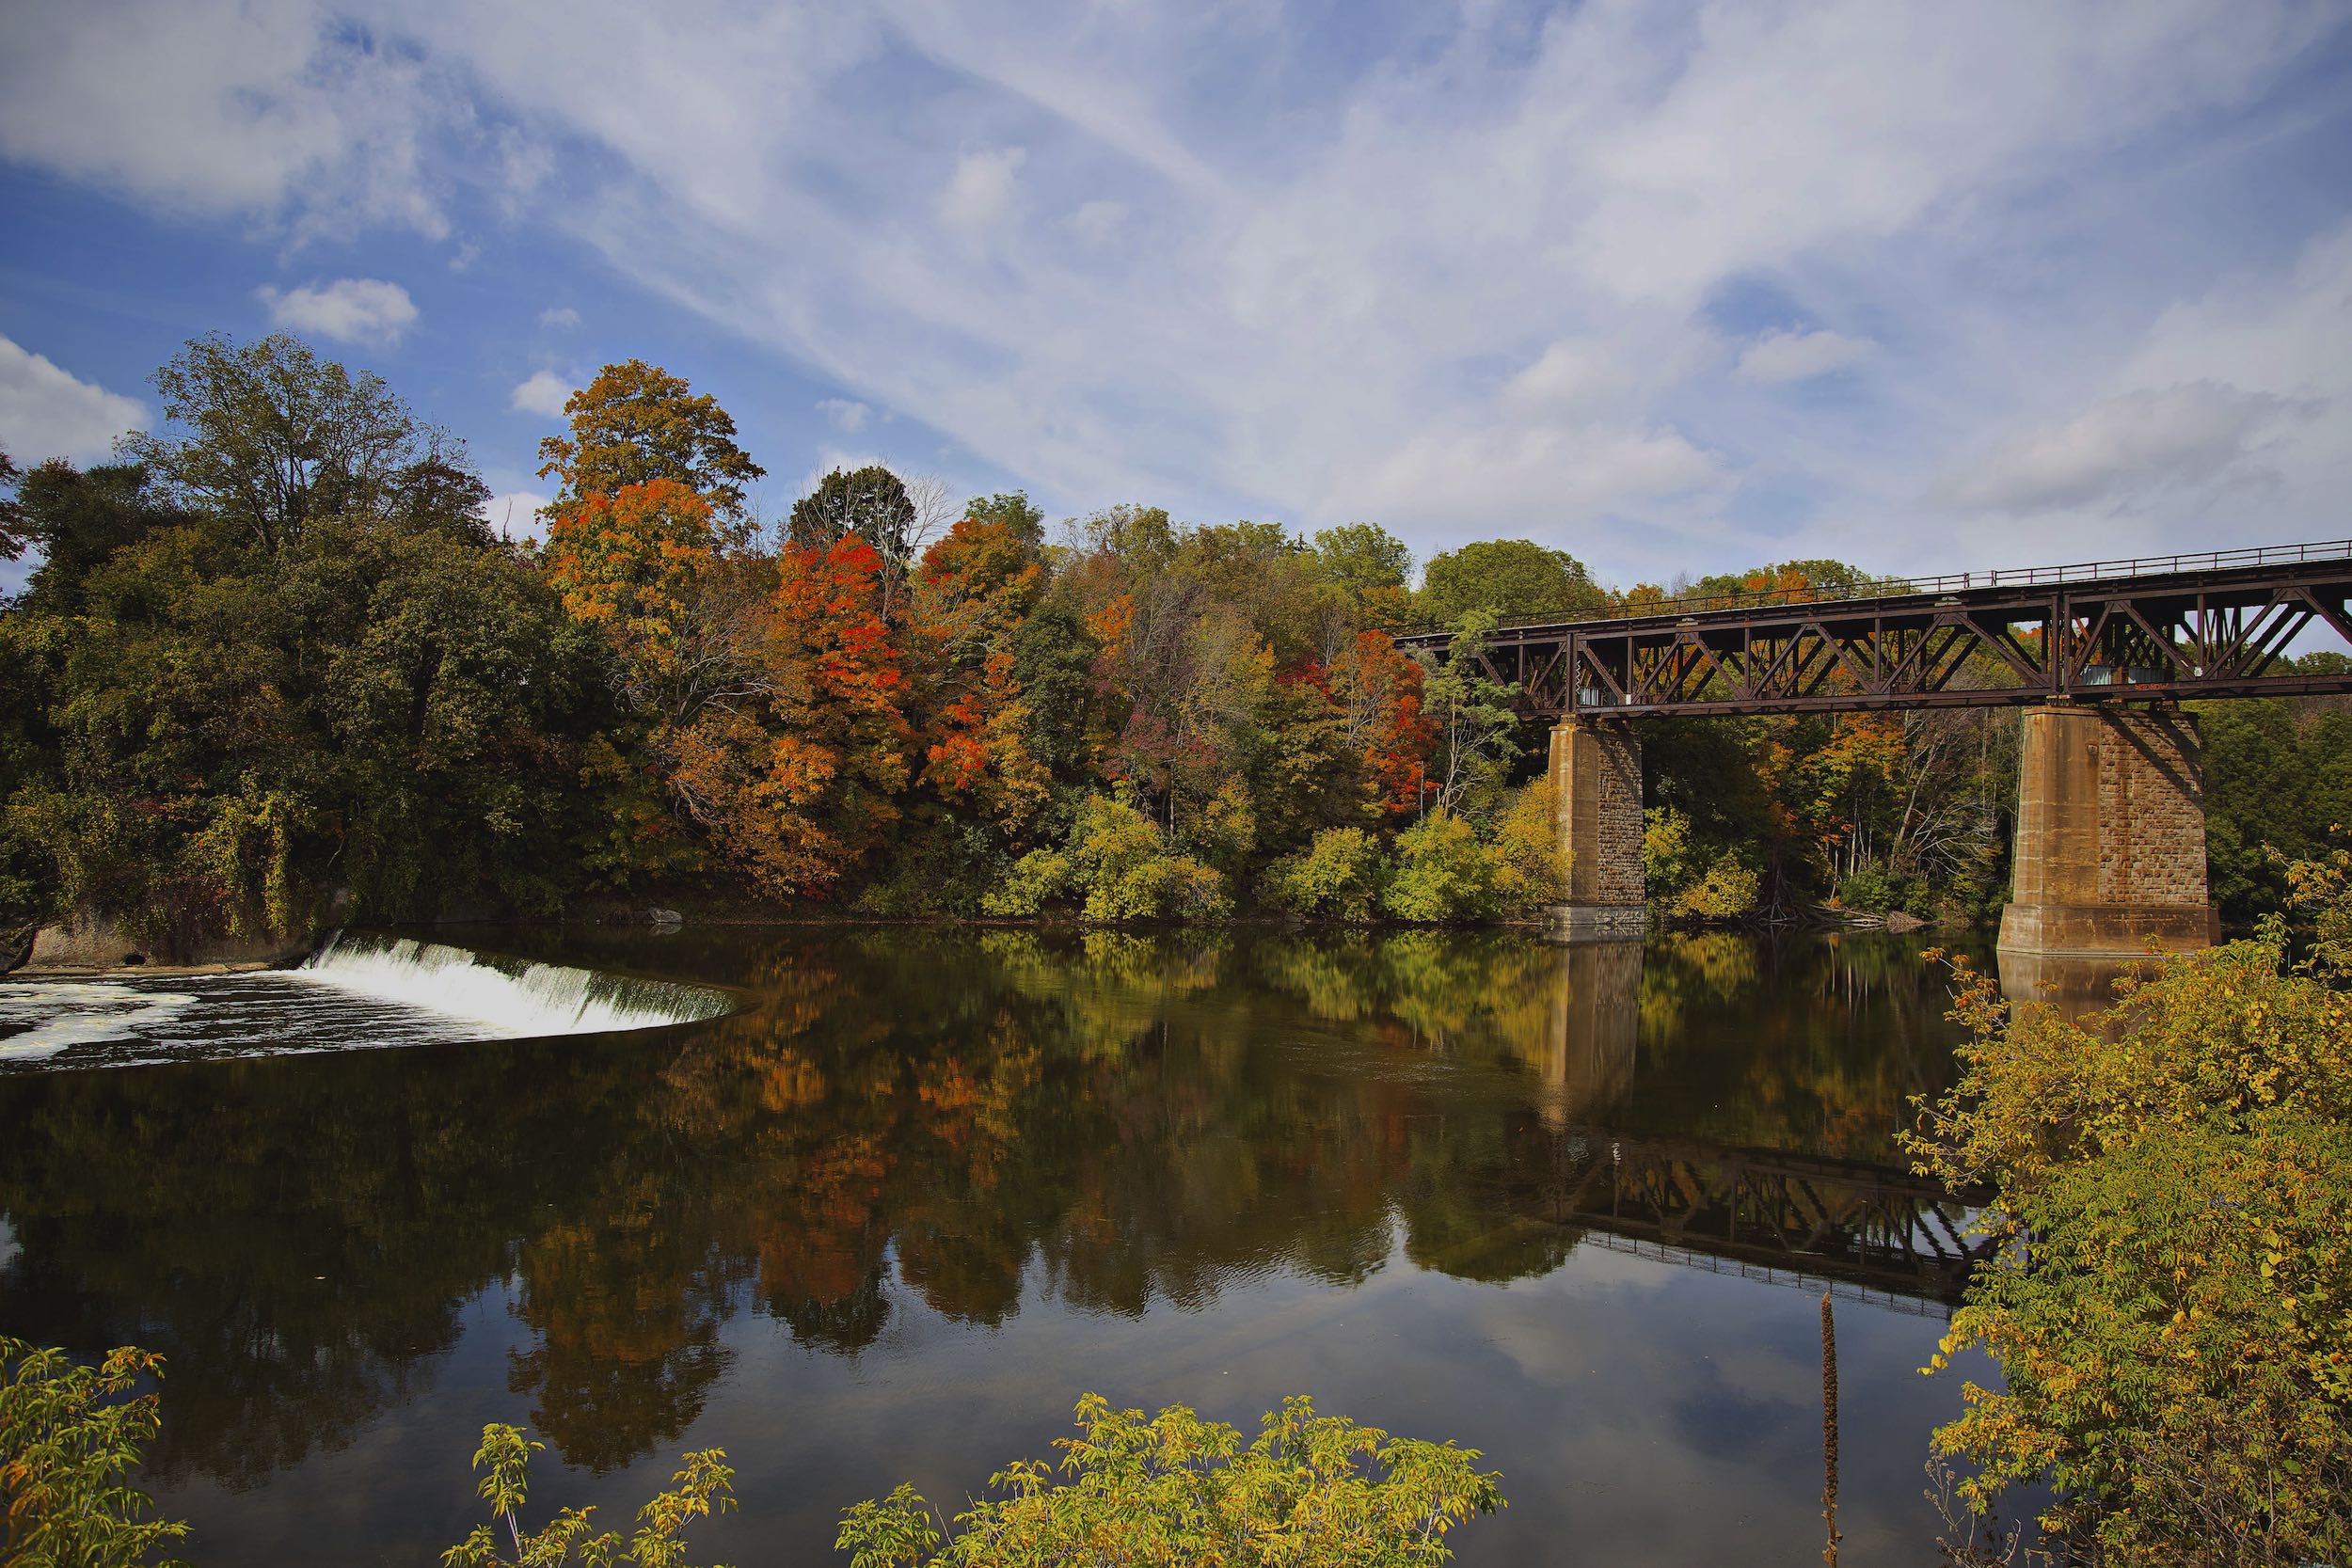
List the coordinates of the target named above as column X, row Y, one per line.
column 1575, row 1206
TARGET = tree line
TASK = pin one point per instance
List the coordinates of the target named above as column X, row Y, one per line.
column 274, row 668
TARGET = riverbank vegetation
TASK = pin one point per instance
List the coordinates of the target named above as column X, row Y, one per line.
column 274, row 668
column 2172, row 1310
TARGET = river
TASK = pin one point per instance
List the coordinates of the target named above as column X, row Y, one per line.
column 1575, row 1206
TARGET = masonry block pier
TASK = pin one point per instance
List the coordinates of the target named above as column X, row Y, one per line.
column 1597, row 783
column 2111, row 854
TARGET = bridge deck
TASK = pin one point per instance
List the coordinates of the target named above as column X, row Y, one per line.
column 2211, row 625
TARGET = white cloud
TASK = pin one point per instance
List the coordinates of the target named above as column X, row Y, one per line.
column 349, row 309
column 981, row 190
column 1801, row 356
column 226, row 106
column 47, row 412
column 541, row 392
column 1571, row 379
column 559, row 317
column 515, row 514
column 2123, row 449
column 845, row 414
column 1095, row 222
column 1540, row 483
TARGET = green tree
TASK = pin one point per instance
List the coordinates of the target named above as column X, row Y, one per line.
column 870, row 502
column 2277, row 777
column 14, row 535
column 636, row 423
column 1789, row 583
column 1511, row 580
column 1476, row 725
column 267, row 439
column 1362, row 558
column 231, row 737
column 1053, row 660
column 1173, row 1488
column 1013, row 509
column 80, row 518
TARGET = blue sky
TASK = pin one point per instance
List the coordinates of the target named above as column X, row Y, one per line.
column 1676, row 287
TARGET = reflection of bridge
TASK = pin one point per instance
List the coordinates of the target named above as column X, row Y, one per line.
column 1799, row 1218
column 2110, row 826
column 1794, row 1218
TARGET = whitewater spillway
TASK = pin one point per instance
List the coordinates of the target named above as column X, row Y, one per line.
column 511, row 997
column 361, row 991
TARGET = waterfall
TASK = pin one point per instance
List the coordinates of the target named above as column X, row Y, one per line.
column 514, row 997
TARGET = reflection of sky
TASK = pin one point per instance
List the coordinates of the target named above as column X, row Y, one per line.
column 1640, row 1412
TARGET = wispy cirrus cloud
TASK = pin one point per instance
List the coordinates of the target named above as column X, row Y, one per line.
column 1492, row 270
column 1778, row 356
column 2124, row 449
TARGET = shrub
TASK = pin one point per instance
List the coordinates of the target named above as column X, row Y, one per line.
column 67, row 1439
column 2178, row 1173
column 1665, row 852
column 1530, row 870
column 1118, row 866
column 1312, row 1490
column 704, row 1484
column 1338, row 877
column 1036, row 879
column 1442, row 873
column 1876, row 890
column 1727, row 892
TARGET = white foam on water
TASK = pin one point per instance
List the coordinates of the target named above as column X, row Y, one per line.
column 63, row 1014
column 510, row 997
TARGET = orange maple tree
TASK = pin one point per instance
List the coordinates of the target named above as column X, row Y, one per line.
column 633, row 564
column 1378, row 688
column 799, row 790
column 973, row 590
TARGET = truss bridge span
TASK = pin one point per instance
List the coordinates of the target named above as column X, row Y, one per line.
column 2207, row 625
column 2109, row 856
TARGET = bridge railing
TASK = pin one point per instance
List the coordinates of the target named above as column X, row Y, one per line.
column 1953, row 583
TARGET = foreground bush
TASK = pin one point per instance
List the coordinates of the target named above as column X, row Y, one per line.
column 1312, row 1490
column 70, row 1438
column 2177, row 1358
column 702, row 1484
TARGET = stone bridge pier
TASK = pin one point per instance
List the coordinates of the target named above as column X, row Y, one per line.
column 1596, row 787
column 2110, row 852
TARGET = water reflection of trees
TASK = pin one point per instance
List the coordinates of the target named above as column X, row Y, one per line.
column 1112, row 1119
column 298, row 1242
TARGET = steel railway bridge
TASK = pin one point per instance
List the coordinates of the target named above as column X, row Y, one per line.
column 2169, row 627
column 2110, row 828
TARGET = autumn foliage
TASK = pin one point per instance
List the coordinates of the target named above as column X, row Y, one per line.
column 281, row 663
